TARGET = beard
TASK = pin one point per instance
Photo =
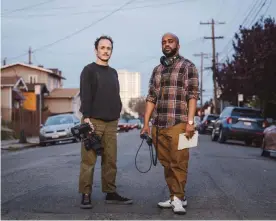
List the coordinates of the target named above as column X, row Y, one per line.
column 172, row 53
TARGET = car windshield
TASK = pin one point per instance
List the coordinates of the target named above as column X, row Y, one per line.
column 247, row 113
column 57, row 120
column 122, row 121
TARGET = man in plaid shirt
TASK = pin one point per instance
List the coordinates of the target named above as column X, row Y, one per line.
column 171, row 102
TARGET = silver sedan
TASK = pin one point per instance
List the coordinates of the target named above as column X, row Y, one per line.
column 58, row 128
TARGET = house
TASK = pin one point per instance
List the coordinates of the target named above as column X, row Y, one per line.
column 34, row 77
column 48, row 83
column 12, row 95
column 32, row 74
column 64, row 100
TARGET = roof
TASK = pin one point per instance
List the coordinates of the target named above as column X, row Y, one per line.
column 52, row 72
column 9, row 80
column 12, row 81
column 64, row 93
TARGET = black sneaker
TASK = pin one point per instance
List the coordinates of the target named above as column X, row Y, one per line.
column 115, row 198
column 86, row 201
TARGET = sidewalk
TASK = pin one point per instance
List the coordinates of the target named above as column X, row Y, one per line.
column 15, row 145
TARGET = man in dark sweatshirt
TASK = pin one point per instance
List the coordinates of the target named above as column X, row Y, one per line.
column 100, row 106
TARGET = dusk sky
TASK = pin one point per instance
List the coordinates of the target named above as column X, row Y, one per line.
column 72, row 26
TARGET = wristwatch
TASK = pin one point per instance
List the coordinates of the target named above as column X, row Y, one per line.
column 191, row 122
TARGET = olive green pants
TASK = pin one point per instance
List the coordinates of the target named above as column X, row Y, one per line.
column 174, row 161
column 107, row 130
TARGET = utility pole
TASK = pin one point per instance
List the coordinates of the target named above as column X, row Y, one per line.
column 30, row 55
column 214, row 58
column 202, row 56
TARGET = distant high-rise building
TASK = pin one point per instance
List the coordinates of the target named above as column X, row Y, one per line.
column 130, row 86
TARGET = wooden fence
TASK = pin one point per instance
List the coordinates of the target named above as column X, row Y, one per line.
column 22, row 119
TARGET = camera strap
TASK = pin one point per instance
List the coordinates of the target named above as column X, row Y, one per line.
column 153, row 159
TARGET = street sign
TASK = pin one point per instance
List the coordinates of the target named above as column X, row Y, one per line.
column 37, row 89
column 240, row 97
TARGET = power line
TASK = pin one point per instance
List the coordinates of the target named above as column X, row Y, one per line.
column 70, row 7
column 93, row 11
column 258, row 12
column 254, row 8
column 227, row 46
column 244, row 21
column 28, row 7
column 269, row 4
column 251, row 12
column 77, row 32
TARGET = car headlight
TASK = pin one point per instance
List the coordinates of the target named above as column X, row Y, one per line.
column 42, row 131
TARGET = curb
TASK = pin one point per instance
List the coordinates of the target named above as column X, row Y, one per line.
column 15, row 148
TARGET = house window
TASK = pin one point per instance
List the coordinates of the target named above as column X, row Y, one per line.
column 32, row 79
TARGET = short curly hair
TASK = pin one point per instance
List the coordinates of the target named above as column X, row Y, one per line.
column 103, row 37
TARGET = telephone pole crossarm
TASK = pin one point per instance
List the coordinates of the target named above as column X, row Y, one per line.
column 218, row 37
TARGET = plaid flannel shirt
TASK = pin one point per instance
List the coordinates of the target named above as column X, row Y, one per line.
column 170, row 88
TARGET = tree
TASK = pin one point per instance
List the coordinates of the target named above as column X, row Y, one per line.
column 252, row 70
column 138, row 105
column 132, row 102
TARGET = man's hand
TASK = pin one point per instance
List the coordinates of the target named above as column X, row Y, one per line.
column 87, row 120
column 190, row 130
column 145, row 129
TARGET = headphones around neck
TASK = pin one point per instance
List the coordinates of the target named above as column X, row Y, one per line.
column 168, row 61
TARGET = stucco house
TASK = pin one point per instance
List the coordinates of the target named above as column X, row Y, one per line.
column 12, row 95
column 64, row 100
column 32, row 74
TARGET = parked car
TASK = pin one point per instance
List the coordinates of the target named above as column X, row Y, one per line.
column 123, row 125
column 58, row 128
column 135, row 123
column 240, row 123
column 207, row 124
column 269, row 141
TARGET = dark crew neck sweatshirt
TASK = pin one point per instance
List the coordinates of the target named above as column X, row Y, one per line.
column 100, row 92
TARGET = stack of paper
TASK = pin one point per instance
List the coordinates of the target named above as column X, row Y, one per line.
column 184, row 142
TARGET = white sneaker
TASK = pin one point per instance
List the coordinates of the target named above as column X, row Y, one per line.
column 167, row 203
column 177, row 206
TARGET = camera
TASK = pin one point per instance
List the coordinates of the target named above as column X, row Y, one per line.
column 89, row 138
column 147, row 138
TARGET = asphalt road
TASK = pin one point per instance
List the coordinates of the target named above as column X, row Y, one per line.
column 226, row 181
